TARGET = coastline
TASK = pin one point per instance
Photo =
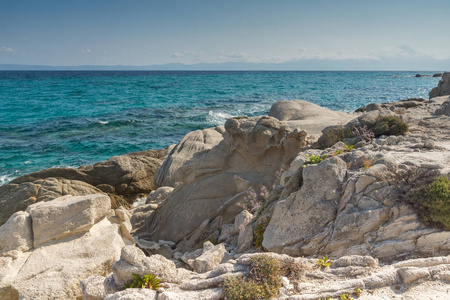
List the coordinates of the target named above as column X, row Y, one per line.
column 313, row 196
column 103, row 113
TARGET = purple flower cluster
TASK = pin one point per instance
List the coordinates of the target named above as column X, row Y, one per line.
column 365, row 133
column 254, row 201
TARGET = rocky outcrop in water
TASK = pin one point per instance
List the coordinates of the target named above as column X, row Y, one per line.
column 443, row 87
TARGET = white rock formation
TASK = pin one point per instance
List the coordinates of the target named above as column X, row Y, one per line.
column 72, row 240
column 213, row 168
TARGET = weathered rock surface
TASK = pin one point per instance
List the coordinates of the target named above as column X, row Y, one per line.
column 430, row 276
column 211, row 257
column 195, row 142
column 16, row 234
column 356, row 211
column 64, row 253
column 307, row 116
column 134, row 261
column 443, row 87
column 124, row 178
column 305, row 213
column 444, row 109
column 92, row 288
column 66, row 216
column 402, row 104
column 16, row 197
column 133, row 294
column 159, row 195
column 213, row 168
column 365, row 120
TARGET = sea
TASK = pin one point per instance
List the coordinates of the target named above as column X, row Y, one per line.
column 73, row 118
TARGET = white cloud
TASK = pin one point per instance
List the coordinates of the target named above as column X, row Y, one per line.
column 193, row 53
column 8, row 50
column 177, row 55
column 236, row 56
column 188, row 55
column 400, row 51
column 86, row 50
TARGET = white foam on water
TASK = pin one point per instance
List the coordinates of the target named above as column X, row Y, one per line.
column 4, row 179
column 217, row 118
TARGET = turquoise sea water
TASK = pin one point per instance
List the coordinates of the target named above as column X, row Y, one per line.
column 65, row 118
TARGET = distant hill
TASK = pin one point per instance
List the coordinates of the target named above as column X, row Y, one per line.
column 405, row 64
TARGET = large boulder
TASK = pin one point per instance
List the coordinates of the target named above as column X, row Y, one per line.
column 211, row 257
column 193, row 143
column 444, row 109
column 18, row 196
column 66, row 216
column 443, row 87
column 214, row 171
column 16, row 234
column 124, row 178
column 73, row 238
column 305, row 213
column 307, row 116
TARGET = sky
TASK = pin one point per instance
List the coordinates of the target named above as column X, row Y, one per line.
column 380, row 34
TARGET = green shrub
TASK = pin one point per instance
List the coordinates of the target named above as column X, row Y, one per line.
column 314, row 159
column 429, row 193
column 145, row 282
column 258, row 232
column 436, row 202
column 390, row 126
column 261, row 282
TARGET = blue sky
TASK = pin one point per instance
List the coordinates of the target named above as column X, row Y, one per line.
column 111, row 32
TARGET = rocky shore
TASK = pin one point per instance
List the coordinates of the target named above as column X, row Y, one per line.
column 335, row 202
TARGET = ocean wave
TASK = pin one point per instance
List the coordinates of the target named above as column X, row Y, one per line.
column 217, row 118
column 4, row 179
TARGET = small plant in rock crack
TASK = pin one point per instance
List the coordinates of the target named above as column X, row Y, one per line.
column 357, row 291
column 144, row 282
column 258, row 232
column 345, row 296
column 349, row 148
column 365, row 133
column 324, row 262
column 314, row 159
